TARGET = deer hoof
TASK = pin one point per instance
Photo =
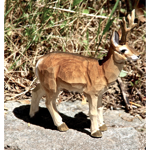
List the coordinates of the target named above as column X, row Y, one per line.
column 63, row 127
column 97, row 134
column 32, row 114
column 103, row 128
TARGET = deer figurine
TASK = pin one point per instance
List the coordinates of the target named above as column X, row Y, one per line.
column 57, row 71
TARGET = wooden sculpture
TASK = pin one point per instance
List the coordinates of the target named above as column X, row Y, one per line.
column 58, row 71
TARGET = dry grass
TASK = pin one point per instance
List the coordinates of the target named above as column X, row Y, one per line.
column 35, row 28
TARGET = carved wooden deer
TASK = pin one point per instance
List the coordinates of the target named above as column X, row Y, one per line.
column 58, row 71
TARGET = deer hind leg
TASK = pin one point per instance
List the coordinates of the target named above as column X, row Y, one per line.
column 37, row 94
column 95, row 132
column 51, row 106
column 101, row 123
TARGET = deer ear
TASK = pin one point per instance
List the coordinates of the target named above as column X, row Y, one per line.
column 115, row 38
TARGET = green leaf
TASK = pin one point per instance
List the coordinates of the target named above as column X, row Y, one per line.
column 63, row 25
column 108, row 26
column 131, row 83
column 9, row 32
column 85, row 41
column 76, row 2
column 123, row 10
column 103, row 14
column 109, row 23
column 123, row 73
column 35, row 38
column 144, row 13
column 136, row 82
column 86, row 11
column 63, row 49
column 8, row 12
column 116, row 4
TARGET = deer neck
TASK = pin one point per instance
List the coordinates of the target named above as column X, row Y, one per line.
column 112, row 66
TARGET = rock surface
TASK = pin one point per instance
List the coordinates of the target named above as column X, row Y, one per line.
column 39, row 133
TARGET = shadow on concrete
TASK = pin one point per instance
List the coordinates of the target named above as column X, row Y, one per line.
column 44, row 119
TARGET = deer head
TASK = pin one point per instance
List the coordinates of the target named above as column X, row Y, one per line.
column 122, row 47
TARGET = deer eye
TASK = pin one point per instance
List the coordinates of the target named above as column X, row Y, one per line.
column 123, row 51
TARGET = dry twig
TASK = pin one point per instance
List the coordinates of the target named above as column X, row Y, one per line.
column 125, row 98
column 30, row 88
column 71, row 11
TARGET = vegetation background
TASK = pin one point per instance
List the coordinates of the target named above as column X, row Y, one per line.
column 33, row 28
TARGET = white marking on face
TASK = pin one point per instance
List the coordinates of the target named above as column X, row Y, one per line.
column 115, row 43
column 134, row 57
column 115, row 38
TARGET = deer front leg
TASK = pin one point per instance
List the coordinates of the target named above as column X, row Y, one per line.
column 51, row 106
column 37, row 94
column 95, row 132
column 101, row 123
